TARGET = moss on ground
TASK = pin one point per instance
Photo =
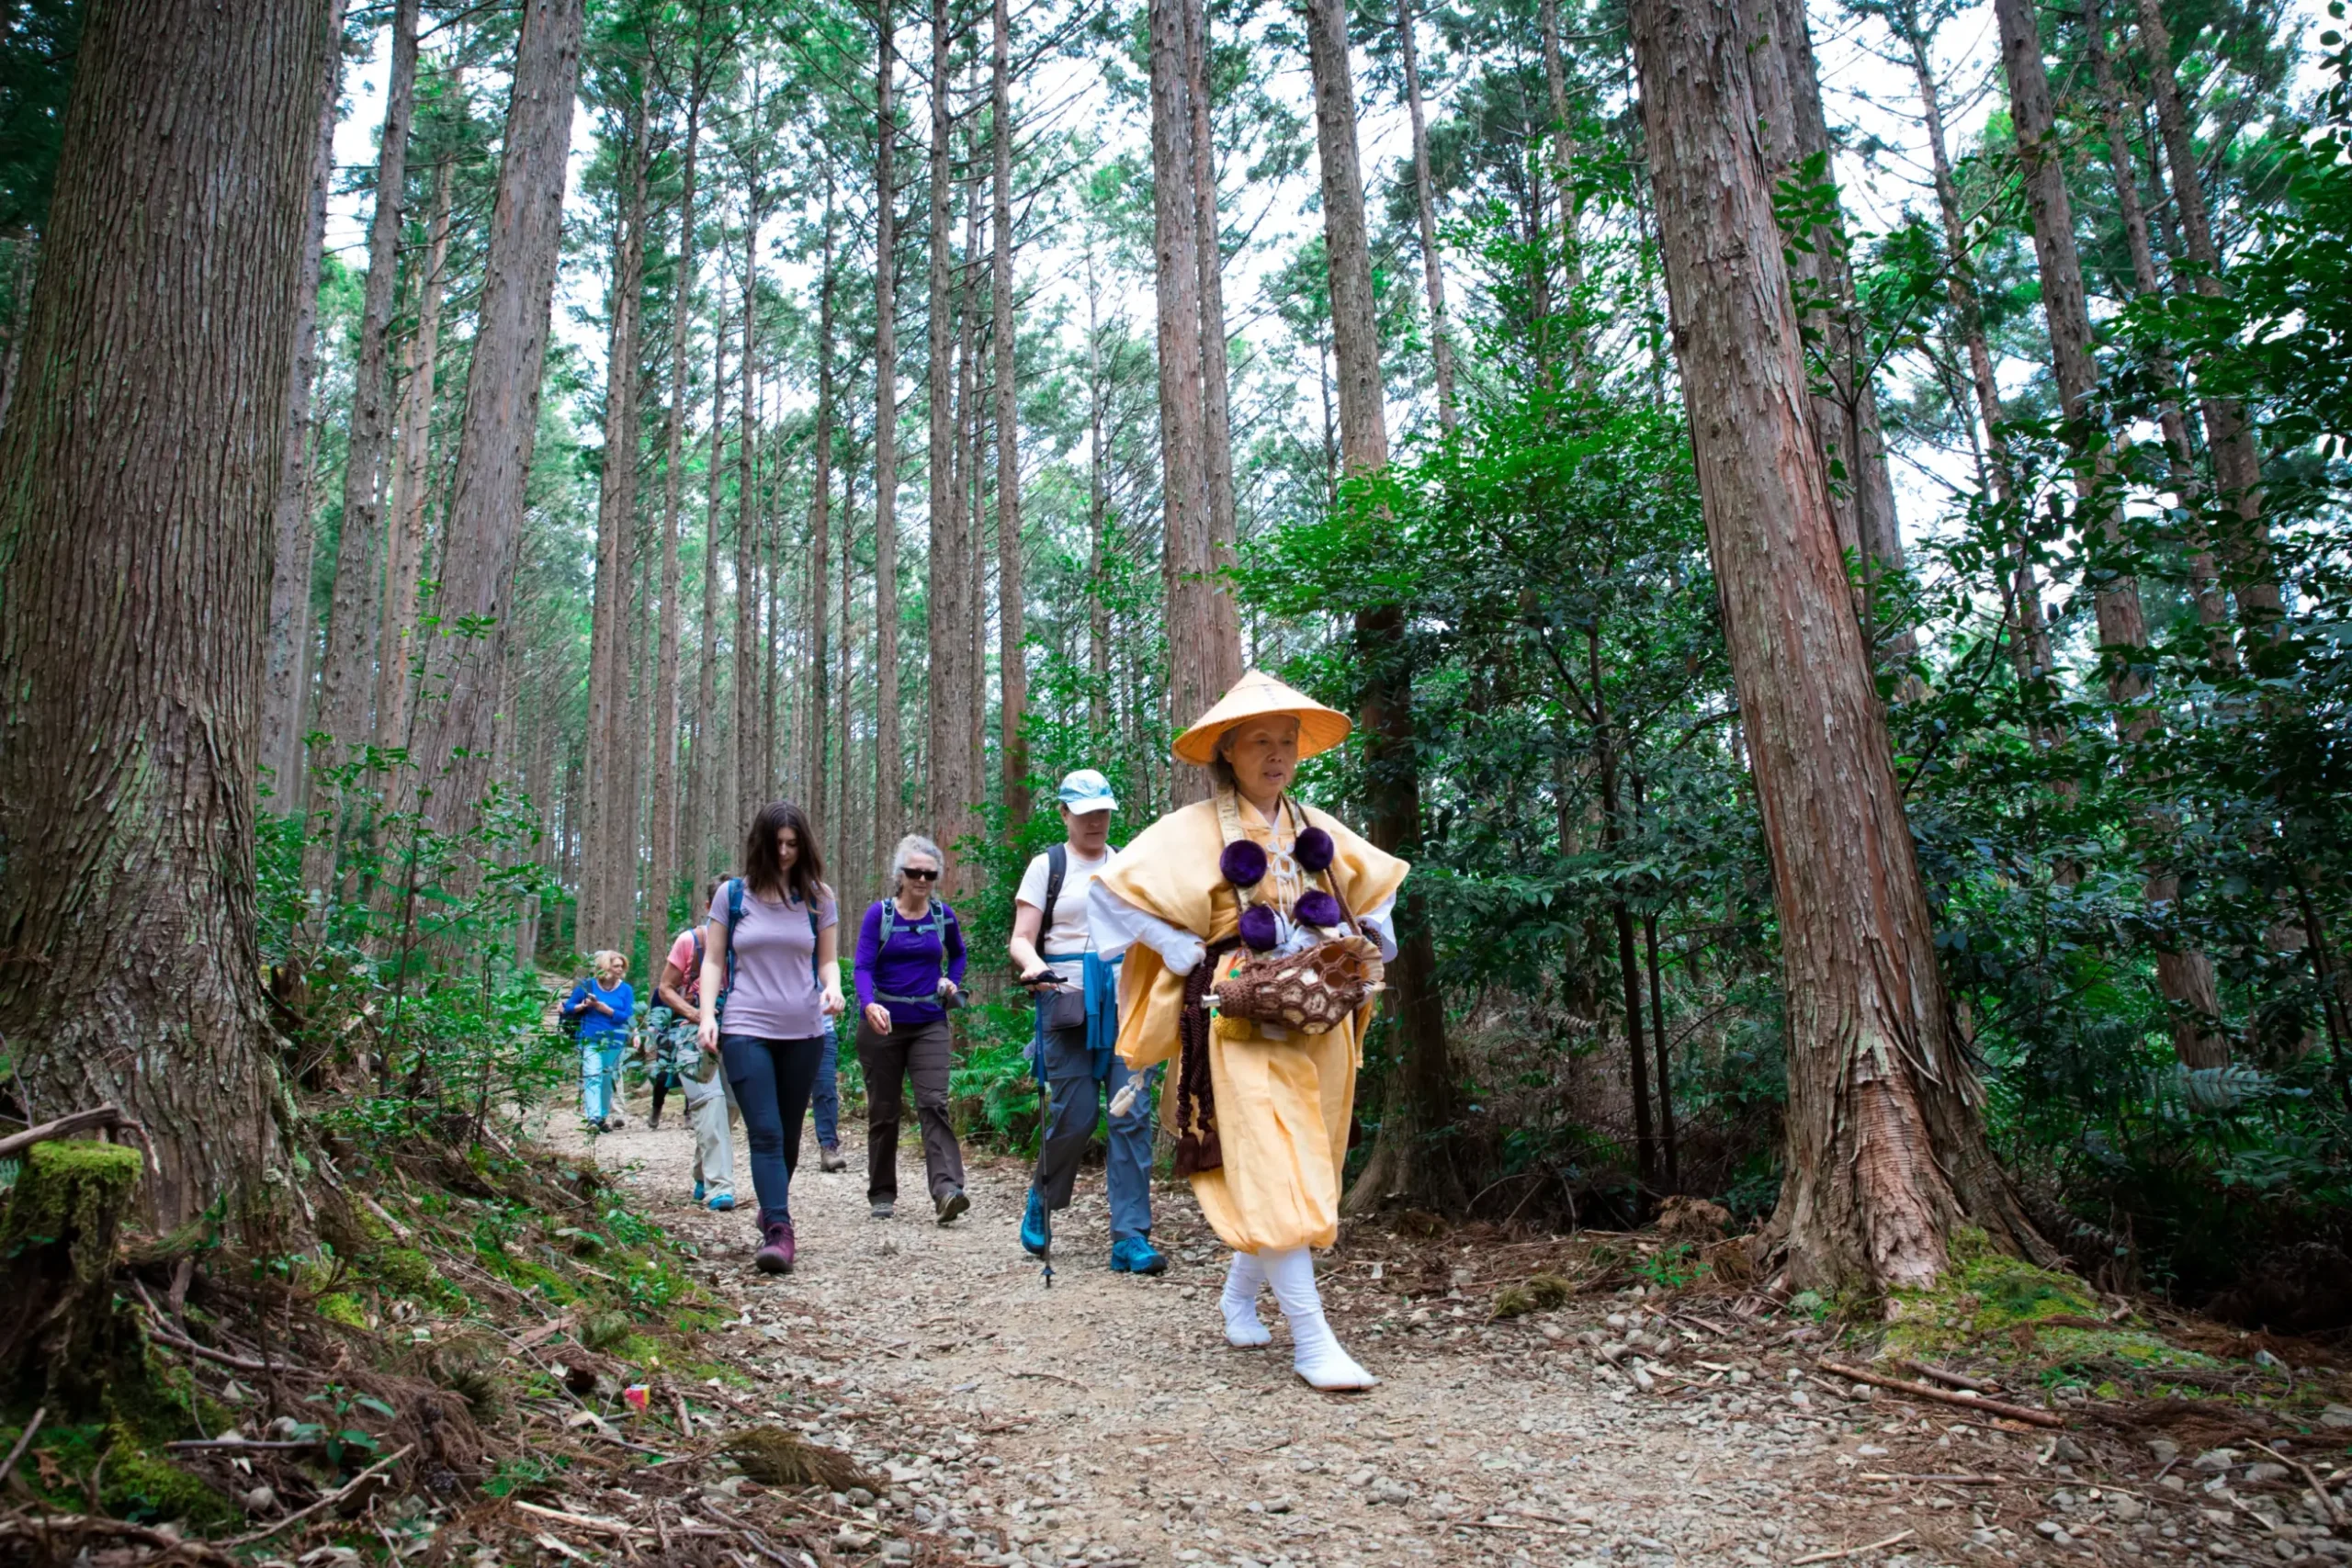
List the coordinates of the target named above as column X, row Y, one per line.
column 1992, row 1304
column 342, row 1307
column 140, row 1485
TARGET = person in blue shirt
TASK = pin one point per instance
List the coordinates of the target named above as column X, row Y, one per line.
column 604, row 1004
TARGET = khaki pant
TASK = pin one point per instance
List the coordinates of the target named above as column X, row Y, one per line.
column 712, row 1107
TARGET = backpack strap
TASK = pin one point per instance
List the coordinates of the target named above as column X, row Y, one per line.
column 1056, row 871
column 734, row 918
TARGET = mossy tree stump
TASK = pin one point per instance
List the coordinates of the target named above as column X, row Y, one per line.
column 60, row 1333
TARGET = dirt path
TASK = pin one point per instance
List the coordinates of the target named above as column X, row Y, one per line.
column 1104, row 1420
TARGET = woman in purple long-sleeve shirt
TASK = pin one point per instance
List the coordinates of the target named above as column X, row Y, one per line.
column 909, row 972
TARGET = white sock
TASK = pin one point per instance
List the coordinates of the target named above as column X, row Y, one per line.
column 1243, row 1328
column 1315, row 1355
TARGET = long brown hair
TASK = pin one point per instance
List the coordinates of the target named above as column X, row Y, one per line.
column 764, row 869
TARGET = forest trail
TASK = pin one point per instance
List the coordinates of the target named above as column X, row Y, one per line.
column 1103, row 1420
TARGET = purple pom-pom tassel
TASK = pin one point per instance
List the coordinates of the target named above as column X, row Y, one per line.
column 1315, row 849
column 1318, row 908
column 1260, row 927
column 1243, row 863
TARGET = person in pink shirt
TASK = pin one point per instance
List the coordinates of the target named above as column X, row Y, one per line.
column 710, row 1104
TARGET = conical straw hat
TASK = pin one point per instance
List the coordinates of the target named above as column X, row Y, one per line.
column 1255, row 695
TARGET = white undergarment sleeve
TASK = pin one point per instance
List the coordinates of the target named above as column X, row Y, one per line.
column 1119, row 925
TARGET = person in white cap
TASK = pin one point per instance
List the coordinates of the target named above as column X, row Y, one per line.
column 1077, row 992
column 1210, row 906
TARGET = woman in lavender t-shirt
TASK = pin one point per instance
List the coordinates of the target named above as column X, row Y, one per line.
column 769, row 1024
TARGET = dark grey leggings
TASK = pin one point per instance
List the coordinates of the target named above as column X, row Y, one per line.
column 772, row 1079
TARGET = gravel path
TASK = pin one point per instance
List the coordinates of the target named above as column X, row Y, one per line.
column 1104, row 1420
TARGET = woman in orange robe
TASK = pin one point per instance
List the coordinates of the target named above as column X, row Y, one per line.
column 1253, row 863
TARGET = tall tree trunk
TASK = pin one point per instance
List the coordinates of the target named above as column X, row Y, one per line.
column 950, row 602
column 1190, row 541
column 1012, row 706
column 1425, row 207
column 481, row 553
column 2204, row 576
column 285, row 680
column 1845, row 421
column 601, row 922
column 971, row 505
column 821, row 695
column 411, row 477
column 663, row 861
column 1098, row 595
column 139, row 466
column 1886, row 1145
column 347, row 681
column 888, row 776
column 705, row 838
column 1224, row 650
column 2030, row 649
column 751, row 773
column 1410, row 1157
column 2185, row 977
column 2236, row 455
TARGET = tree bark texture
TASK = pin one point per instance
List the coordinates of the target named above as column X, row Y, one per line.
column 751, row 771
column 1418, row 1107
column 888, row 768
column 952, row 593
column 706, row 841
column 1886, row 1144
column 285, row 681
column 1012, row 706
column 481, row 555
column 139, row 468
column 1845, row 422
column 1224, row 650
column 1189, row 550
column 662, row 859
column 2237, row 456
column 2185, row 978
column 411, row 479
column 1425, row 207
column 347, row 680
column 821, row 653
column 603, row 919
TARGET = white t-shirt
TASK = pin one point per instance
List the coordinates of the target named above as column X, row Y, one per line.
column 1071, row 933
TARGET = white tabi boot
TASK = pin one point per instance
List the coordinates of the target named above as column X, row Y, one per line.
column 1243, row 1328
column 1315, row 1355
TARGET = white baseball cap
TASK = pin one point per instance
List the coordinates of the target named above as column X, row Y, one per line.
column 1086, row 790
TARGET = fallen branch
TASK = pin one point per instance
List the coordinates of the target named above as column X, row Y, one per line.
column 2025, row 1413
column 2327, row 1499
column 1946, row 1479
column 155, row 1330
column 337, row 1495
column 244, row 1443
column 1850, row 1550
column 41, row 1527
column 25, row 1441
column 64, row 1126
column 1952, row 1379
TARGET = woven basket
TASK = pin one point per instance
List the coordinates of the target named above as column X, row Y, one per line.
column 1310, row 991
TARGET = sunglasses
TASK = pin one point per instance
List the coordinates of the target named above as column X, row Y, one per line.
column 920, row 874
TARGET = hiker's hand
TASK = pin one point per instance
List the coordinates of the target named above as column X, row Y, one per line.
column 706, row 1032
column 877, row 1018
column 833, row 1006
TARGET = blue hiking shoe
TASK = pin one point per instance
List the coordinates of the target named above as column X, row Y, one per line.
column 698, row 1192
column 722, row 1204
column 1037, row 1227
column 1135, row 1254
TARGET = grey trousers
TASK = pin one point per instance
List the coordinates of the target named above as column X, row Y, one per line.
column 923, row 1051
